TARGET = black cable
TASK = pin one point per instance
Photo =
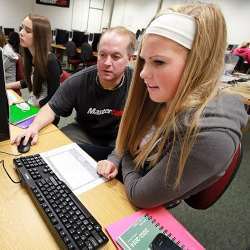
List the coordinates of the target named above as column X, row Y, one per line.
column 2, row 161
column 2, row 152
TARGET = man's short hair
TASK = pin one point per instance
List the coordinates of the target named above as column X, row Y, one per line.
column 125, row 32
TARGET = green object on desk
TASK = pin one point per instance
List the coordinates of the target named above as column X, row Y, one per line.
column 21, row 111
column 139, row 235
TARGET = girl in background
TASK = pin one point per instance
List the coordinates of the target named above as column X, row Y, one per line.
column 41, row 68
column 10, row 56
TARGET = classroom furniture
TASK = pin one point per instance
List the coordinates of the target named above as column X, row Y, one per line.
column 72, row 56
column 7, row 31
column 62, row 36
column 80, row 60
column 86, row 56
column 242, row 66
column 64, row 75
column 207, row 197
column 63, row 48
column 21, row 225
column 242, row 89
column 79, row 37
column 60, row 51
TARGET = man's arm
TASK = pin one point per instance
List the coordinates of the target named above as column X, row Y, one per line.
column 45, row 116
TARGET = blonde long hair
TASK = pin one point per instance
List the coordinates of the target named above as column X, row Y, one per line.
column 197, row 86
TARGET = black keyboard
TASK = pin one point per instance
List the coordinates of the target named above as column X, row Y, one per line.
column 70, row 222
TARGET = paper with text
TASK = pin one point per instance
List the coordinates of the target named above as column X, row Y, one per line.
column 73, row 166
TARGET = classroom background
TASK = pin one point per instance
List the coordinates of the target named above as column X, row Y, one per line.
column 93, row 15
column 224, row 226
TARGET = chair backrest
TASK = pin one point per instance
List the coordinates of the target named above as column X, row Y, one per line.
column 207, row 197
column 64, row 75
column 86, row 52
column 230, row 63
column 70, row 49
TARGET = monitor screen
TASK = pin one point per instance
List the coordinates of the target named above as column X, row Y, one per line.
column 62, row 36
column 7, row 31
column 96, row 40
column 79, row 38
column 4, row 107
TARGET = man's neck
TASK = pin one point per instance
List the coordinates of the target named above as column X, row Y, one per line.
column 110, row 85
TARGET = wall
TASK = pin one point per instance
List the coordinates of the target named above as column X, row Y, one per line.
column 11, row 14
column 236, row 14
column 134, row 14
column 77, row 15
column 59, row 17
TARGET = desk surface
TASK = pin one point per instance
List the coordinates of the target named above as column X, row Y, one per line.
column 62, row 47
column 21, row 225
column 242, row 89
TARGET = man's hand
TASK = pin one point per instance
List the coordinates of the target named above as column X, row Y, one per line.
column 31, row 132
column 107, row 169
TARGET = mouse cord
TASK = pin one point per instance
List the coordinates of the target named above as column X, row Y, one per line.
column 2, row 162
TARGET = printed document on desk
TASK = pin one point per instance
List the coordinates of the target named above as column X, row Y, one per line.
column 73, row 166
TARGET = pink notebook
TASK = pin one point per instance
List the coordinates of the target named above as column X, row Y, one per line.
column 162, row 216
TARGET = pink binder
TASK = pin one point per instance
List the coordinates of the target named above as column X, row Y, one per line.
column 162, row 216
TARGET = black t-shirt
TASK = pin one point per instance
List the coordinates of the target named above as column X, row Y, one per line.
column 98, row 111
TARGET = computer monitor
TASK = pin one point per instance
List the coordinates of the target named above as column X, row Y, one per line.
column 7, row 31
column 96, row 40
column 231, row 46
column 4, row 106
column 62, row 36
column 79, row 38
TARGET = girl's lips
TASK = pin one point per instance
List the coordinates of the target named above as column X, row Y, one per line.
column 151, row 86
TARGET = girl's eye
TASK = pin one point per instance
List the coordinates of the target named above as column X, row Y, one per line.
column 158, row 62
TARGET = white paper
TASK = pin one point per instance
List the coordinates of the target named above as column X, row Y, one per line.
column 73, row 166
column 11, row 97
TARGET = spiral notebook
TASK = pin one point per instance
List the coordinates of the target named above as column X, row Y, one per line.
column 141, row 234
column 162, row 220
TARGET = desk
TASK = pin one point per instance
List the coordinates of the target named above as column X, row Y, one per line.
column 242, row 89
column 21, row 225
column 62, row 47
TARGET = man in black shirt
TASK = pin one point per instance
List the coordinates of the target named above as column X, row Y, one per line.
column 97, row 94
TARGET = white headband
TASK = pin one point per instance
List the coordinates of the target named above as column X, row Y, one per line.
column 175, row 26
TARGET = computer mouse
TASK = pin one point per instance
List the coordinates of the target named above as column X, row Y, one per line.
column 24, row 148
